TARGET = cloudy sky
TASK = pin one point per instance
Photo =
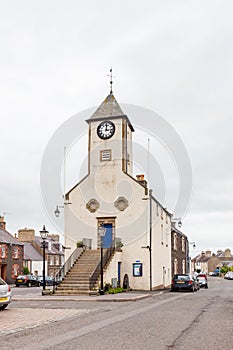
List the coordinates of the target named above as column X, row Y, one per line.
column 172, row 57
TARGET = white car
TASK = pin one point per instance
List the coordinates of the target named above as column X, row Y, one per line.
column 5, row 294
column 229, row 275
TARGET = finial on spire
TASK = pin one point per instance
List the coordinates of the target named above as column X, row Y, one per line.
column 111, row 82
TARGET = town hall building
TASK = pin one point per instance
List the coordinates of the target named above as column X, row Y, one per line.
column 137, row 228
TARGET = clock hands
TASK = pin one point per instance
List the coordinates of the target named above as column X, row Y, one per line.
column 106, row 130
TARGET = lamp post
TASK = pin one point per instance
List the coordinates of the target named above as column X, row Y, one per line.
column 43, row 234
column 102, row 231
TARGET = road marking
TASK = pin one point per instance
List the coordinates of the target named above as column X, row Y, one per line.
column 65, row 337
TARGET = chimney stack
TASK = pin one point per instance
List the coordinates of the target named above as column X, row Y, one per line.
column 2, row 223
column 26, row 235
column 141, row 180
column 208, row 253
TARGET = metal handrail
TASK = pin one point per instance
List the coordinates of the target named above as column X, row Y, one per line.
column 107, row 253
column 59, row 276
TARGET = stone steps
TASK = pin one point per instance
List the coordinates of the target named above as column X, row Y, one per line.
column 77, row 279
column 73, row 292
column 74, row 287
column 67, row 281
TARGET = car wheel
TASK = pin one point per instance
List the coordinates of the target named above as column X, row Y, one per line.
column 17, row 285
column 206, row 287
column 39, row 284
column 29, row 284
column 3, row 307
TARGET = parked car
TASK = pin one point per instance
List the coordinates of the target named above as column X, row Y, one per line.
column 184, row 282
column 49, row 281
column 202, row 275
column 202, row 281
column 27, row 280
column 5, row 294
column 229, row 275
column 215, row 272
column 196, row 281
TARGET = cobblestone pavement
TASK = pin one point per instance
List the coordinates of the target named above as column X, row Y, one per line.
column 15, row 320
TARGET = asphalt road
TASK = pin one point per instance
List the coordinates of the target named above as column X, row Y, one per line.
column 163, row 321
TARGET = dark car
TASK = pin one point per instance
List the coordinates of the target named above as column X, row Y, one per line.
column 184, row 282
column 203, row 282
column 27, row 280
column 49, row 281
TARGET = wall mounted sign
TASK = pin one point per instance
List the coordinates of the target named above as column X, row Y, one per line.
column 137, row 269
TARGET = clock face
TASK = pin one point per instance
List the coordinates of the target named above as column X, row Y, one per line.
column 106, row 130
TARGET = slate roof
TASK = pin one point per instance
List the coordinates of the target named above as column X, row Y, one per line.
column 30, row 253
column 6, row 237
column 53, row 249
column 108, row 108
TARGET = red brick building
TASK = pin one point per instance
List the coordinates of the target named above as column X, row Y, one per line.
column 179, row 251
column 11, row 254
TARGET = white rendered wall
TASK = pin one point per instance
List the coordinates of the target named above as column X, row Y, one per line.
column 38, row 266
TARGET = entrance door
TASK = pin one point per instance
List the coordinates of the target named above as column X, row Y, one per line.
column 3, row 272
column 107, row 239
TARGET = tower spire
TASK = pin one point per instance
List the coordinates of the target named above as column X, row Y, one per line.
column 111, row 82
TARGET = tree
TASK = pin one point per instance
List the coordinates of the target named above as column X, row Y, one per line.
column 26, row 270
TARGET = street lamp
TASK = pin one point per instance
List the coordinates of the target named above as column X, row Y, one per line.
column 57, row 211
column 43, row 234
column 179, row 222
column 194, row 244
column 102, row 231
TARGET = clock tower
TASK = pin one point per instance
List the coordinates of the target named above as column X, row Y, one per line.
column 110, row 198
column 110, row 138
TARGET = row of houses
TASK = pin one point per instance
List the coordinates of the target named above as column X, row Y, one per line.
column 25, row 251
column 207, row 261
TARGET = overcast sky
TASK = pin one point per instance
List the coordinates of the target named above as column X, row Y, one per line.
column 172, row 57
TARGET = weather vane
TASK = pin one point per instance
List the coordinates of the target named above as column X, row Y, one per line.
column 111, row 82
